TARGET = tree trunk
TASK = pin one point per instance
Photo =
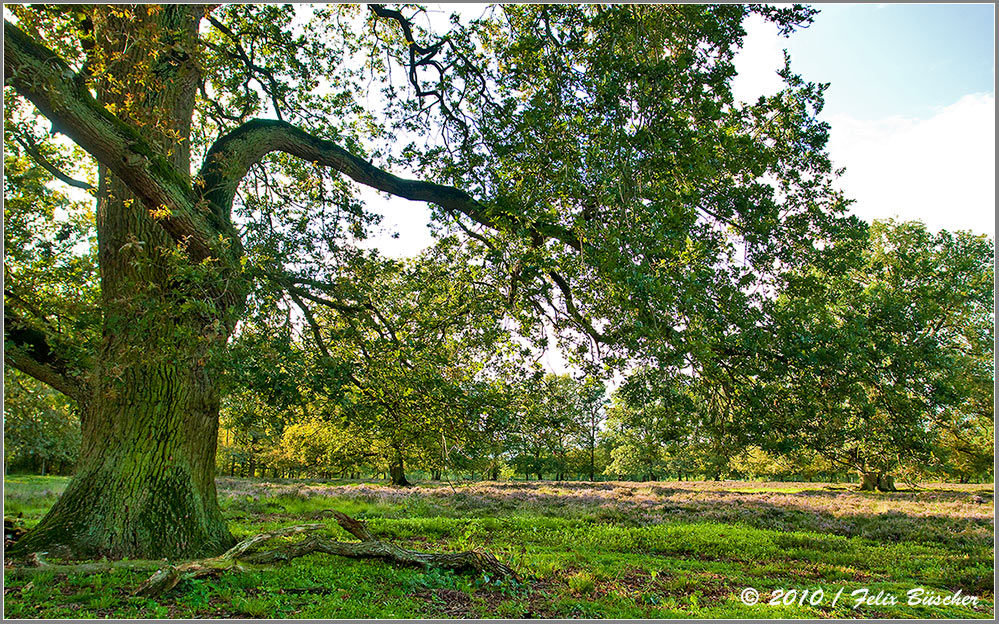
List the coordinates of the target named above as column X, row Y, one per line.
column 868, row 481
column 145, row 486
column 145, row 481
column 398, row 470
column 886, row 483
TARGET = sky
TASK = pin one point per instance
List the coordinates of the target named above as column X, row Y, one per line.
column 911, row 104
column 911, row 107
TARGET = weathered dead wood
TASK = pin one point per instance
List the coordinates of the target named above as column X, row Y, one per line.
column 166, row 577
column 468, row 561
column 368, row 548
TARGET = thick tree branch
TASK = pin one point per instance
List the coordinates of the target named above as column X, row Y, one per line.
column 28, row 351
column 39, row 75
column 232, row 155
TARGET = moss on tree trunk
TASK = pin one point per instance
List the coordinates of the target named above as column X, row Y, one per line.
column 145, row 485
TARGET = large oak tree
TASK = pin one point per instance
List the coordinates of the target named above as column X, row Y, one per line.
column 594, row 155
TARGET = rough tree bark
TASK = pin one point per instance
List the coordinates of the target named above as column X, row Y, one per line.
column 145, row 480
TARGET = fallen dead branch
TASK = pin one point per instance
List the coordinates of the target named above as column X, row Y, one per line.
column 167, row 576
column 368, row 548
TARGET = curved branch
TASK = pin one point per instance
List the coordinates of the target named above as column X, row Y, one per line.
column 570, row 306
column 316, row 331
column 36, row 155
column 426, row 56
column 232, row 155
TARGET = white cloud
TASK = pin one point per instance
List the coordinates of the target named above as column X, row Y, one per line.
column 940, row 170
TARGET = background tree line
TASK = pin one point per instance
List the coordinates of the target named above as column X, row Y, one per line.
column 885, row 371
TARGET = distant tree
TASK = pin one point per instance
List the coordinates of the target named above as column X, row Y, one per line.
column 593, row 403
column 322, row 448
column 552, row 414
column 650, row 412
column 417, row 350
column 270, row 383
column 881, row 357
column 964, row 448
column 41, row 427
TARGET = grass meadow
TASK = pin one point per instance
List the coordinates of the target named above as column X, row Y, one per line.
column 582, row 550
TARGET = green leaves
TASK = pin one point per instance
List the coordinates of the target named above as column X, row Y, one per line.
column 878, row 358
column 41, row 426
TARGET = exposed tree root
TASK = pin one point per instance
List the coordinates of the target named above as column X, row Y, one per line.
column 166, row 577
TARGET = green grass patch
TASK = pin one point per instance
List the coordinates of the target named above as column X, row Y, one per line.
column 618, row 551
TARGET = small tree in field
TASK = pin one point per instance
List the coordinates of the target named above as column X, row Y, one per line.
column 593, row 412
column 418, row 352
column 594, row 154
